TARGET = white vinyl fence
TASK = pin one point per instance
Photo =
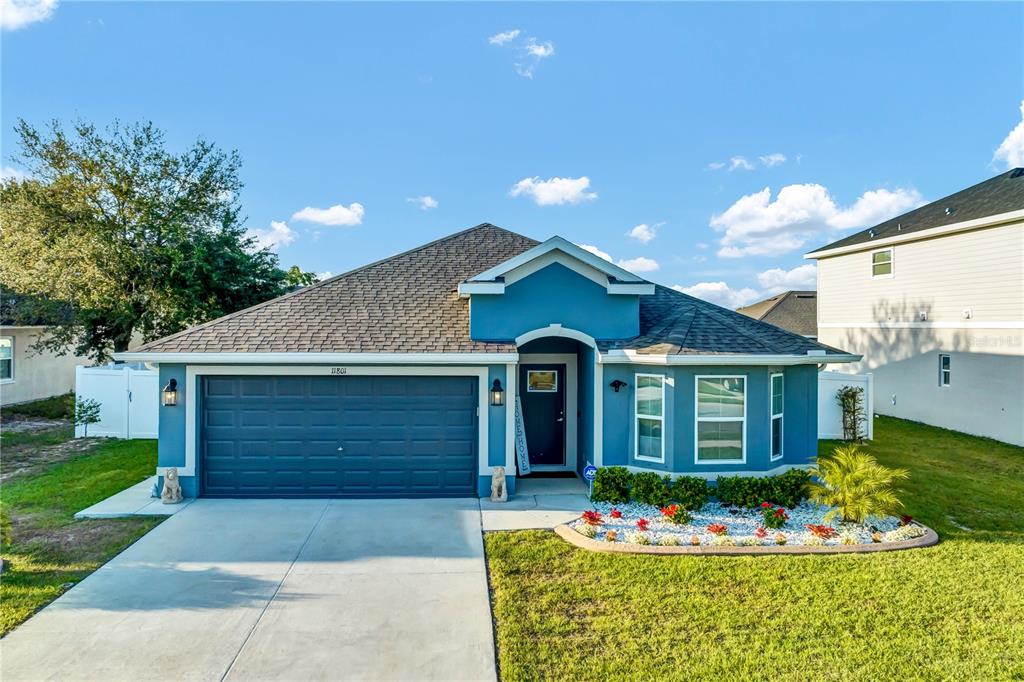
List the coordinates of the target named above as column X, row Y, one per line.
column 129, row 397
column 830, row 416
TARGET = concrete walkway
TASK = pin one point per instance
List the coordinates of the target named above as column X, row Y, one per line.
column 274, row 590
column 133, row 501
column 538, row 503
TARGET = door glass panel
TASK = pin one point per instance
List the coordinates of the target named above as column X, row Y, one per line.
column 541, row 381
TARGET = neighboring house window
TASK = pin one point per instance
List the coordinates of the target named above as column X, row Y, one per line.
column 944, row 370
column 721, row 419
column 650, row 417
column 6, row 358
column 881, row 263
column 776, row 451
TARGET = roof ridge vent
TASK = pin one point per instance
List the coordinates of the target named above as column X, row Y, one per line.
column 950, row 210
column 1017, row 172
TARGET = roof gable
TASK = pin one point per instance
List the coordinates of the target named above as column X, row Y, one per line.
column 615, row 279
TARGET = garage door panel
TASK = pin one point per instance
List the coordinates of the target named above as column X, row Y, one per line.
column 279, row 436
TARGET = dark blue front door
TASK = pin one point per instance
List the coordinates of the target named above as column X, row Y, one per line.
column 350, row 436
column 542, row 391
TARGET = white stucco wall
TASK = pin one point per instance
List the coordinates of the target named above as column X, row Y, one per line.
column 36, row 375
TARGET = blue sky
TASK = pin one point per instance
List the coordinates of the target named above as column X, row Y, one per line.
column 740, row 135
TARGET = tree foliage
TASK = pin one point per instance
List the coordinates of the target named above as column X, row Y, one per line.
column 134, row 239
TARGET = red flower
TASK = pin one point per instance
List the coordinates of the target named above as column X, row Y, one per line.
column 761, row 533
column 765, row 505
column 642, row 524
column 718, row 529
column 823, row 532
column 906, row 519
column 670, row 510
column 781, row 512
column 592, row 517
column 615, row 513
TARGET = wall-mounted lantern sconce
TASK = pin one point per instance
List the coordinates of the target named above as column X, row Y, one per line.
column 170, row 393
column 497, row 394
column 616, row 385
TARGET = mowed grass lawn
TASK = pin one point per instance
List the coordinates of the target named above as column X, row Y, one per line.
column 45, row 550
column 951, row 612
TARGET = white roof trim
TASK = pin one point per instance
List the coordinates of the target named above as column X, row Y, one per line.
column 319, row 358
column 556, row 330
column 628, row 282
column 633, row 357
column 977, row 223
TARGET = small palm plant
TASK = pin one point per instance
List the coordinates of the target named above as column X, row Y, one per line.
column 855, row 484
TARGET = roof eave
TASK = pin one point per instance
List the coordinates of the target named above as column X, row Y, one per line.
column 943, row 230
column 725, row 359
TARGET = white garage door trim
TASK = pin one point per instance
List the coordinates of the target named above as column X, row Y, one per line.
column 193, row 372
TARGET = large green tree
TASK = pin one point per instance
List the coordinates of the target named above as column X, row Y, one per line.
column 135, row 240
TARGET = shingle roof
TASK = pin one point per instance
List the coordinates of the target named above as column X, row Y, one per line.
column 796, row 311
column 409, row 304
column 674, row 323
column 1001, row 194
column 404, row 304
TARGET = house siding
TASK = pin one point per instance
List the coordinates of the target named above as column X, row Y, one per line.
column 981, row 271
column 37, row 375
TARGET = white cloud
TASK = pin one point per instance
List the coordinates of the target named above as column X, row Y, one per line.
column 12, row 173
column 1011, row 150
column 15, row 14
column 335, row 215
column 326, row 274
column 716, row 165
column 554, row 191
column 772, row 160
column 638, row 264
column 644, row 232
column 801, row 277
column 425, row 202
column 740, row 162
column 720, row 293
column 539, row 50
column 757, row 225
column 504, row 37
column 597, row 252
column 275, row 236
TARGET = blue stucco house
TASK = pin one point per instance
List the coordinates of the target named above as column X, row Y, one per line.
column 402, row 379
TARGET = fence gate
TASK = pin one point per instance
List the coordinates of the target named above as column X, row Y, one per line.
column 129, row 400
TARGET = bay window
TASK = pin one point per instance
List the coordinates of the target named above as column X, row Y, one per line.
column 650, row 418
column 721, row 433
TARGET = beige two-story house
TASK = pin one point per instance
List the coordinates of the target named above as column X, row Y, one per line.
column 934, row 301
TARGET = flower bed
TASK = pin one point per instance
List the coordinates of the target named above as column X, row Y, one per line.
column 645, row 527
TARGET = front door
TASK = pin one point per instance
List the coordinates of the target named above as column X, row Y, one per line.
column 542, row 391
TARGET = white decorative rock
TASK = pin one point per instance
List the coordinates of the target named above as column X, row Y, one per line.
column 499, row 493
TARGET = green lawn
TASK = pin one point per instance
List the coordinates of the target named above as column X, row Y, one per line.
column 44, row 549
column 954, row 611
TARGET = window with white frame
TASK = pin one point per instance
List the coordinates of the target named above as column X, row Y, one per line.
column 881, row 263
column 6, row 358
column 650, row 417
column 944, row 369
column 776, row 388
column 721, row 419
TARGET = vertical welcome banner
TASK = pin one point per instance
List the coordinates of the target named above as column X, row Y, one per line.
column 522, row 454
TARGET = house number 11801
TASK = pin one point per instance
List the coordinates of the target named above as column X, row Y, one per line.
column 339, row 370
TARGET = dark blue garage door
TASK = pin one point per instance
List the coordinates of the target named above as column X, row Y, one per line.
column 349, row 436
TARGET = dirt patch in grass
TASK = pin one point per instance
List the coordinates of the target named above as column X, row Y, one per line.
column 31, row 451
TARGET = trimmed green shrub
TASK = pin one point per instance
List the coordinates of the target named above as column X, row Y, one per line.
column 612, row 485
column 690, row 492
column 788, row 489
column 650, row 488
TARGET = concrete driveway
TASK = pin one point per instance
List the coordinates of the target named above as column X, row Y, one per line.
column 277, row 589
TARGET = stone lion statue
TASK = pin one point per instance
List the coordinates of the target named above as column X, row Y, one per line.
column 499, row 493
column 172, row 487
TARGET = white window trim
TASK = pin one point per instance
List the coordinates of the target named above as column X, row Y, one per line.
column 697, row 419
column 14, row 374
column 637, row 417
column 950, row 370
column 782, row 419
column 892, row 263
